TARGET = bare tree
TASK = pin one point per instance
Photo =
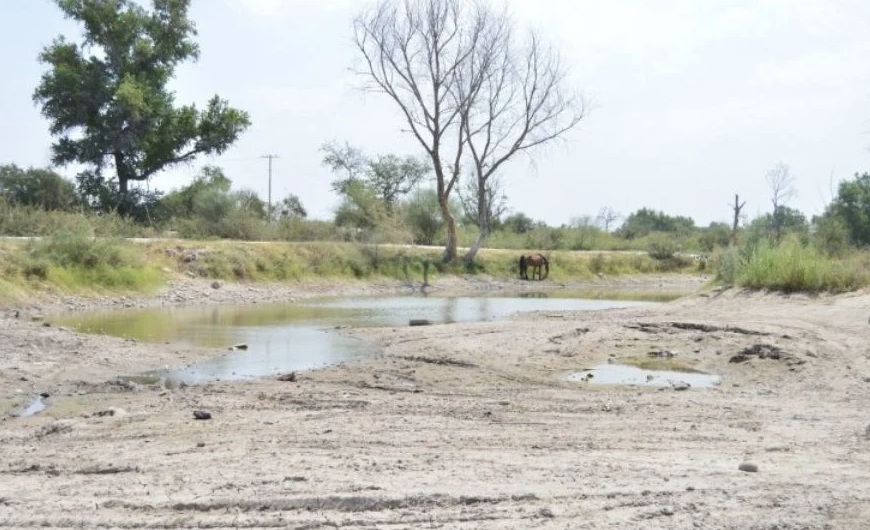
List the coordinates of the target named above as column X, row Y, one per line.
column 412, row 51
column 782, row 188
column 465, row 86
column 738, row 208
column 516, row 100
column 495, row 200
column 606, row 217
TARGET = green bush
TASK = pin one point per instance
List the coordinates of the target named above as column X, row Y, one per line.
column 727, row 264
column 662, row 247
column 831, row 236
column 793, row 266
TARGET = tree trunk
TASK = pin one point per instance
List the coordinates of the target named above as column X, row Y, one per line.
column 450, row 224
column 478, row 242
column 444, row 204
column 123, row 179
column 482, row 221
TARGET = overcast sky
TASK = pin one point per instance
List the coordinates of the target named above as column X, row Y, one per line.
column 694, row 100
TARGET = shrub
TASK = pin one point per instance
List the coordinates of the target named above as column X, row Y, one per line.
column 662, row 247
column 793, row 266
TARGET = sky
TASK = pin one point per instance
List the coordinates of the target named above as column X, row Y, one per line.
column 693, row 101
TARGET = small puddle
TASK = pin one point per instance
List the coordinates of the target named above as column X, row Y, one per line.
column 34, row 407
column 618, row 374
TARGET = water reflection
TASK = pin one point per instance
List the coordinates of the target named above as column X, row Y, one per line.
column 301, row 335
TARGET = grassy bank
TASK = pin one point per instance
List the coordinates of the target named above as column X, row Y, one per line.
column 793, row 266
column 81, row 264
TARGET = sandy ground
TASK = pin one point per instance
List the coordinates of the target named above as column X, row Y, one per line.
column 455, row 426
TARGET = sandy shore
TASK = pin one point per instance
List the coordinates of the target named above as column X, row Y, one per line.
column 455, row 426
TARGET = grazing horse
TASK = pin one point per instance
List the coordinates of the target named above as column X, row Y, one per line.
column 539, row 265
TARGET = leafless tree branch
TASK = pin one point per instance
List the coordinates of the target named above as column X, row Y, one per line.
column 469, row 90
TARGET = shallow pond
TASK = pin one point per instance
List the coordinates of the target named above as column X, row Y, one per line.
column 301, row 335
column 617, row 374
column 36, row 406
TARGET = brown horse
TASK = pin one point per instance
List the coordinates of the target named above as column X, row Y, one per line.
column 537, row 262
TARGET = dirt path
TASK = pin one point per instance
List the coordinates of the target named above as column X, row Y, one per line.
column 464, row 426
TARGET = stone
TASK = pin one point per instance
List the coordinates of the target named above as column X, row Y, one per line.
column 748, row 467
column 117, row 412
column 201, row 415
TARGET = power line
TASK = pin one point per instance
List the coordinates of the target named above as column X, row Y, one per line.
column 270, row 157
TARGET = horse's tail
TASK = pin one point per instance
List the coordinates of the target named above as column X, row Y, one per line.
column 522, row 265
column 546, row 266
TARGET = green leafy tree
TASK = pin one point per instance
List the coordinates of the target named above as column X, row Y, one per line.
column 292, row 206
column 389, row 176
column 107, row 98
column 519, row 223
column 249, row 202
column 181, row 203
column 714, row 236
column 585, row 231
column 830, row 235
column 424, row 216
column 852, row 207
column 393, row 177
column 646, row 221
column 786, row 220
column 361, row 207
column 347, row 162
column 41, row 188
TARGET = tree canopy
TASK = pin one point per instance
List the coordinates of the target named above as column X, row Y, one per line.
column 41, row 188
column 107, row 97
column 852, row 207
column 646, row 220
column 389, row 177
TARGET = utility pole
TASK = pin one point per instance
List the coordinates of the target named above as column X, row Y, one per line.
column 270, row 157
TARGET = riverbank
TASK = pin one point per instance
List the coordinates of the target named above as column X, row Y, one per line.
column 182, row 290
column 457, row 426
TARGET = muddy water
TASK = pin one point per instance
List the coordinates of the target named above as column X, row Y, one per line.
column 302, row 335
column 616, row 374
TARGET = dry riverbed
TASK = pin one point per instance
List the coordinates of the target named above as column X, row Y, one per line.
column 455, row 426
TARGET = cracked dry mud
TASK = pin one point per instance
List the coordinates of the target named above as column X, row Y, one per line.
column 461, row 426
